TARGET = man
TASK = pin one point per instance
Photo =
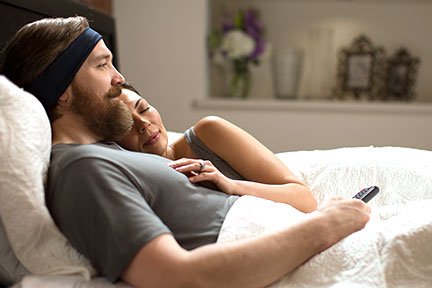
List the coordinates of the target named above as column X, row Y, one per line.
column 135, row 218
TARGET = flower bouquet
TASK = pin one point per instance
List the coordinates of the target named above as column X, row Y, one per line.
column 241, row 42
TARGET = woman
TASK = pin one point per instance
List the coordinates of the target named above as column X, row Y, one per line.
column 236, row 162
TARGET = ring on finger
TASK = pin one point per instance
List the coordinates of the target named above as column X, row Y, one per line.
column 202, row 166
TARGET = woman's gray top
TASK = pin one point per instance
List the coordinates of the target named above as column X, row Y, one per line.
column 205, row 153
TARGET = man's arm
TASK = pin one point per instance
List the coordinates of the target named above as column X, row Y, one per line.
column 253, row 262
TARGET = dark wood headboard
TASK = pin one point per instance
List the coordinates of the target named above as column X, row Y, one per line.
column 16, row 13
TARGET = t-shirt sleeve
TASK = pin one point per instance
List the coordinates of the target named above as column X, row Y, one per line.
column 102, row 210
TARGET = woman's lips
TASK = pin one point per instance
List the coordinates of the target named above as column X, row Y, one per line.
column 153, row 138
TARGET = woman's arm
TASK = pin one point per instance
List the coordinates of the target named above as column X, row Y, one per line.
column 267, row 176
column 290, row 193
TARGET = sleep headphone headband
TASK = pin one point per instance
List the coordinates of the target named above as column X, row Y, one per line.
column 54, row 80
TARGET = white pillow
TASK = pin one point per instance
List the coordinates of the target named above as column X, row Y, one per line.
column 25, row 145
column 11, row 269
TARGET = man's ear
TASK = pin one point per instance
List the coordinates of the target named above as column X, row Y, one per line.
column 65, row 98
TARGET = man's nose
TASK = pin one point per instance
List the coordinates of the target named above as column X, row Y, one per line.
column 117, row 77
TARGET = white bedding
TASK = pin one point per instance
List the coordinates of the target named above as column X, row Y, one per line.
column 395, row 248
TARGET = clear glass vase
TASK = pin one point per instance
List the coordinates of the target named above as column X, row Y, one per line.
column 240, row 81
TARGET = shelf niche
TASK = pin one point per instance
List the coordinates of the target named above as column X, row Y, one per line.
column 289, row 24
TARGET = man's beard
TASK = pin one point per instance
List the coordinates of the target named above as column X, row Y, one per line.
column 108, row 118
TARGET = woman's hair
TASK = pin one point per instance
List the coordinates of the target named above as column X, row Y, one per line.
column 129, row 86
column 36, row 45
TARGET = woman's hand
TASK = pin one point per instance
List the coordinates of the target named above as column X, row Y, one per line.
column 198, row 170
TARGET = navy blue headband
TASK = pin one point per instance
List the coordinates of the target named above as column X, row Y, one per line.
column 51, row 84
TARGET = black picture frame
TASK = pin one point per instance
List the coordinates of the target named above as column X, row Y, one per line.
column 360, row 70
column 401, row 74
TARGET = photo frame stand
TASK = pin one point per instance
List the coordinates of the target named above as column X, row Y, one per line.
column 360, row 71
column 402, row 69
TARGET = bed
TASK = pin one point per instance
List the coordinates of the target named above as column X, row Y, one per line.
column 394, row 250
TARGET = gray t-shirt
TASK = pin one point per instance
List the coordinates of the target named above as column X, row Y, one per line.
column 110, row 202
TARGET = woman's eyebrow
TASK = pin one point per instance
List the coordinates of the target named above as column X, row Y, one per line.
column 137, row 103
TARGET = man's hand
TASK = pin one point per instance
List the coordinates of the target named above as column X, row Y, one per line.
column 343, row 217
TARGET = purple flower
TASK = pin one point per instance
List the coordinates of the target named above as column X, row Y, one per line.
column 252, row 26
column 260, row 46
column 227, row 24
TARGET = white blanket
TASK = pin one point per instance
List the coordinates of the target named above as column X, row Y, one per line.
column 394, row 249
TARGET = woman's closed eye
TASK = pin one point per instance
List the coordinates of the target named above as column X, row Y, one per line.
column 141, row 106
column 141, row 111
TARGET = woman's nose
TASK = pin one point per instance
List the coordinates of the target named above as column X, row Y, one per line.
column 141, row 124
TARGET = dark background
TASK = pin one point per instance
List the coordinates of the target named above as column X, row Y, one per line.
column 16, row 13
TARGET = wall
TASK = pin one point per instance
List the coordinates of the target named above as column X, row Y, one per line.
column 162, row 52
column 104, row 6
column 389, row 24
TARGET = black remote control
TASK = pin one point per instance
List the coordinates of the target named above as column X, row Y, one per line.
column 367, row 194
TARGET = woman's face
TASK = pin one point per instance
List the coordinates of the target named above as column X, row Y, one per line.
column 148, row 133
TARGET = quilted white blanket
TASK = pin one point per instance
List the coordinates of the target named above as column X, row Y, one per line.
column 393, row 250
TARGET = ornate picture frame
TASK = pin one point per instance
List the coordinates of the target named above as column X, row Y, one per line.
column 360, row 71
column 401, row 76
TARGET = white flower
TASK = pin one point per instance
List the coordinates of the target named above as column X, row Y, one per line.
column 237, row 44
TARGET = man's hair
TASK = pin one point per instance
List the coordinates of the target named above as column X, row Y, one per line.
column 36, row 45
